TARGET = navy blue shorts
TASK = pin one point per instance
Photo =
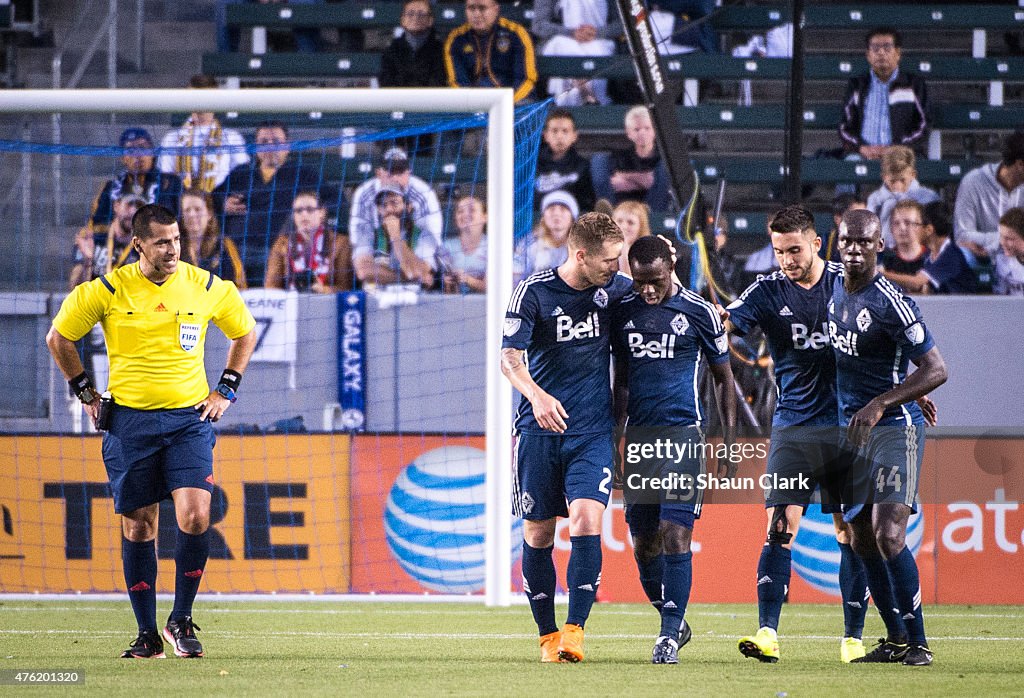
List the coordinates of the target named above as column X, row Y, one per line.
column 551, row 470
column 663, row 484
column 887, row 469
column 150, row 453
column 802, row 459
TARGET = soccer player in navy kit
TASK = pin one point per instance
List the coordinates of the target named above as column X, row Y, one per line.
column 790, row 306
column 875, row 331
column 660, row 334
column 562, row 319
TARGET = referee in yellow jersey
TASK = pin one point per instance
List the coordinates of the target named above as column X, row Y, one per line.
column 158, row 440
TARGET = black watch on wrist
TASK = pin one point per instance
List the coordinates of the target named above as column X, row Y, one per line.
column 88, row 395
column 226, row 392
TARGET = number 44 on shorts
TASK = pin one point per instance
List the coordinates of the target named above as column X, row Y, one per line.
column 894, row 481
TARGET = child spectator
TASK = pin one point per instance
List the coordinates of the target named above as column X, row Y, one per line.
column 1009, row 279
column 899, row 181
column 559, row 164
column 908, row 255
column 546, row 248
column 633, row 219
column 463, row 259
column 945, row 268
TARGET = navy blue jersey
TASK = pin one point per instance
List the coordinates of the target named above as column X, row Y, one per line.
column 566, row 334
column 794, row 321
column 660, row 346
column 874, row 333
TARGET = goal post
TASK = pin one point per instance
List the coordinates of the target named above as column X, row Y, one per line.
column 500, row 180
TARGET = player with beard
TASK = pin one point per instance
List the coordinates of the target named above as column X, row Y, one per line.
column 790, row 307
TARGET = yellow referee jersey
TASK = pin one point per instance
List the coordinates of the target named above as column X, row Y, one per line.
column 155, row 334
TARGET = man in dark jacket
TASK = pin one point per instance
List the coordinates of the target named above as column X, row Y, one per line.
column 416, row 58
column 559, row 164
column 139, row 177
column 490, row 51
column 886, row 106
column 256, row 198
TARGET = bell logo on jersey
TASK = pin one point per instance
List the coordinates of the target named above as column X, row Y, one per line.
column 664, row 348
column 846, row 342
column 588, row 327
column 803, row 338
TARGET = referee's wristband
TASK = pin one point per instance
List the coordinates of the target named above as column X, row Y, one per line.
column 83, row 387
column 232, row 379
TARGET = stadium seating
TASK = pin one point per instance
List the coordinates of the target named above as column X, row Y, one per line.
column 702, row 66
column 366, row 15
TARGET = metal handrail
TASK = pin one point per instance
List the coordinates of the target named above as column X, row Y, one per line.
column 108, row 27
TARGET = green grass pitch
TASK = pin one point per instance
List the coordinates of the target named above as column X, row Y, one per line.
column 371, row 649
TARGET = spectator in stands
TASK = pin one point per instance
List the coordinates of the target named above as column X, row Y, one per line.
column 908, row 255
column 463, row 259
column 139, row 177
column 393, row 170
column 985, row 194
column 399, row 250
column 547, row 247
column 416, row 58
column 202, row 152
column 899, row 182
column 638, row 173
column 840, row 205
column 559, row 164
column 1009, row 276
column 886, row 106
column 633, row 219
column 576, row 28
column 201, row 242
column 256, row 198
column 945, row 268
column 100, row 252
column 309, row 254
column 490, row 51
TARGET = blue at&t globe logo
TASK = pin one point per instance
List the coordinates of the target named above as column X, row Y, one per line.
column 435, row 522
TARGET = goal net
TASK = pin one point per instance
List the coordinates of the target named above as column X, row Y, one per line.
column 369, row 450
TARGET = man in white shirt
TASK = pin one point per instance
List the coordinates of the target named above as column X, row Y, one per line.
column 202, row 152
column 392, row 170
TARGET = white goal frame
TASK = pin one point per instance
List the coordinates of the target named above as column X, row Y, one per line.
column 499, row 106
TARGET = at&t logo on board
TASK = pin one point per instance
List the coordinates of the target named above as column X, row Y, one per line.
column 435, row 520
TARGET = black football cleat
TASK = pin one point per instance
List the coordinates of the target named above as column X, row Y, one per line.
column 147, row 645
column 885, row 652
column 685, row 634
column 918, row 655
column 181, row 634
